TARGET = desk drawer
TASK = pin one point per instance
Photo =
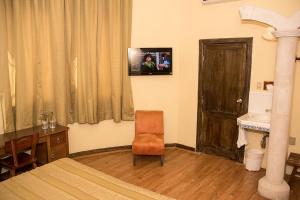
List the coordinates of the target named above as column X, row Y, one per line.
column 58, row 146
column 57, row 139
column 58, row 151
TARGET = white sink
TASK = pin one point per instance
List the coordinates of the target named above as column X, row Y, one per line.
column 255, row 121
column 258, row 117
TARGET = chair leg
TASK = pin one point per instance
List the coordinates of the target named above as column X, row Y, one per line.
column 162, row 160
column 1, row 174
column 292, row 175
column 134, row 160
column 34, row 165
column 12, row 172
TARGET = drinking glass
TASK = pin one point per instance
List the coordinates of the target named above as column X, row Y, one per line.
column 44, row 120
column 52, row 121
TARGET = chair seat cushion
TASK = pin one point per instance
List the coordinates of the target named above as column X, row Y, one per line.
column 148, row 144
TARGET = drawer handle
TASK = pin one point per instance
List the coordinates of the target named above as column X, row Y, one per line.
column 57, row 140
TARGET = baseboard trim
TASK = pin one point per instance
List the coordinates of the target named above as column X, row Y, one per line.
column 102, row 150
column 125, row 147
column 170, row 145
column 182, row 146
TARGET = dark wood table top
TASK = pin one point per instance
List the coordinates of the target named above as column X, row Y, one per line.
column 29, row 131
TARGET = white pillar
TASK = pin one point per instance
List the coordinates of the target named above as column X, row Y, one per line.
column 273, row 185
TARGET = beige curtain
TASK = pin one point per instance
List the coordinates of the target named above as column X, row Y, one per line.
column 70, row 57
column 5, row 91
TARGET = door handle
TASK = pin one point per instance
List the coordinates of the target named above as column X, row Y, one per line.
column 239, row 100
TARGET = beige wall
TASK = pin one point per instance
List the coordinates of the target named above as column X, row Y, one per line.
column 295, row 117
column 180, row 24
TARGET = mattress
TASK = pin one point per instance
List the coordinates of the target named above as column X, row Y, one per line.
column 69, row 179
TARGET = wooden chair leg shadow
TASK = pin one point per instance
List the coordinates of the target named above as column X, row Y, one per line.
column 135, row 158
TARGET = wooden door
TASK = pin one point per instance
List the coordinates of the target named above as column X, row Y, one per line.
column 224, row 81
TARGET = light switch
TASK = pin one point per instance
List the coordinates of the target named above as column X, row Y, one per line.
column 292, row 141
column 259, row 85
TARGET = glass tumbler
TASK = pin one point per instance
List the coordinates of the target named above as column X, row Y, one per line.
column 52, row 121
column 44, row 120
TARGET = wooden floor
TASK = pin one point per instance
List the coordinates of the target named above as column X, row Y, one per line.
column 185, row 175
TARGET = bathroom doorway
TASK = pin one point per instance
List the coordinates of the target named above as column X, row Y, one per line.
column 223, row 93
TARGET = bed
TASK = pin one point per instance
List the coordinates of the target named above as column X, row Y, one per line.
column 69, row 179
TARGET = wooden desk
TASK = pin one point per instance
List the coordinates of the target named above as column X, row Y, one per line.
column 52, row 145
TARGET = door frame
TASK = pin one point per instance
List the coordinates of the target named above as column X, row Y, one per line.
column 202, row 42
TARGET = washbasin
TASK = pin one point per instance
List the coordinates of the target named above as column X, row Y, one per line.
column 257, row 117
column 256, row 121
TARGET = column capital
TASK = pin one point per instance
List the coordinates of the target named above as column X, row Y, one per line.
column 287, row 33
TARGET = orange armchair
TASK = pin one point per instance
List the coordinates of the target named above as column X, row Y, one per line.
column 149, row 135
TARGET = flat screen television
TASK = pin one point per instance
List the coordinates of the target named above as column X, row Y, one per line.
column 149, row 61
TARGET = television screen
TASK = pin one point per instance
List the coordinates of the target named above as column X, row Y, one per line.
column 149, row 61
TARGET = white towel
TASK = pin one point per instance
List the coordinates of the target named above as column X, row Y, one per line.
column 242, row 139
